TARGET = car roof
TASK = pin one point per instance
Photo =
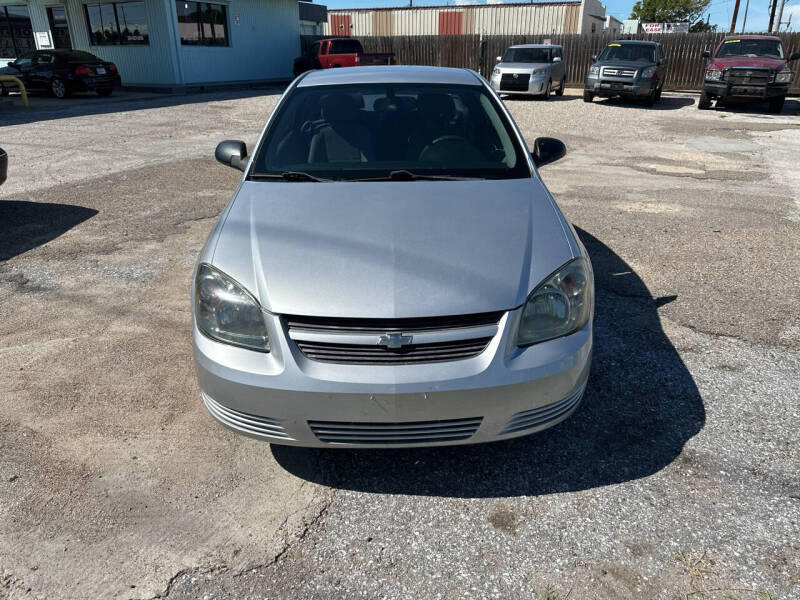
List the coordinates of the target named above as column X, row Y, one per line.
column 636, row 43
column 536, row 46
column 390, row 74
column 752, row 37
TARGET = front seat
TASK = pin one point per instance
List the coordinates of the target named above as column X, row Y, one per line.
column 342, row 136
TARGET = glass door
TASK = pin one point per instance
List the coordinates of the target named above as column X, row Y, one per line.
column 57, row 15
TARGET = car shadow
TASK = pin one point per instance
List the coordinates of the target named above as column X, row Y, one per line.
column 751, row 107
column 640, row 408
column 46, row 108
column 666, row 103
column 26, row 225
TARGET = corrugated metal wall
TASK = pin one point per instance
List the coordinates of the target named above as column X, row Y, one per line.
column 263, row 45
column 154, row 64
column 494, row 19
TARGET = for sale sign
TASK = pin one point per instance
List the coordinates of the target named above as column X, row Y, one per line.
column 652, row 27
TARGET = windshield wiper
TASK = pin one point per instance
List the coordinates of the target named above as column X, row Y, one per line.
column 289, row 176
column 403, row 175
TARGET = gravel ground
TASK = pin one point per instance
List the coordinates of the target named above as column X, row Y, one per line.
column 677, row 478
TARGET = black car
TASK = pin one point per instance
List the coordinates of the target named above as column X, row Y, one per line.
column 627, row 68
column 62, row 72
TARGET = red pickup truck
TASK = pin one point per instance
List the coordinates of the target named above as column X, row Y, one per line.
column 753, row 67
column 338, row 52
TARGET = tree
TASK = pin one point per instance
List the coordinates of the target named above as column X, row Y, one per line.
column 702, row 26
column 669, row 11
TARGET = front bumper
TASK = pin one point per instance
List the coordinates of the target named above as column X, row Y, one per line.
column 537, row 86
column 722, row 89
column 610, row 86
column 286, row 398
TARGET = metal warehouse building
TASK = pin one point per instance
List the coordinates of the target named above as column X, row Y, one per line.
column 162, row 43
column 579, row 16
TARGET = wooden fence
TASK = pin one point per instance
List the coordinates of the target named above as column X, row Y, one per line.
column 685, row 71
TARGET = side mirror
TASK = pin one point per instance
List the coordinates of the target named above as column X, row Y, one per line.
column 3, row 165
column 662, row 61
column 594, row 57
column 499, row 59
column 547, row 150
column 232, row 153
column 795, row 56
column 706, row 53
column 556, row 59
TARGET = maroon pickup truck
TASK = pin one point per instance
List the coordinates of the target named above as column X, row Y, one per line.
column 752, row 67
column 338, row 52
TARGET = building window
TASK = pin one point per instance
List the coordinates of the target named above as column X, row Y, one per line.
column 202, row 24
column 117, row 23
column 16, row 31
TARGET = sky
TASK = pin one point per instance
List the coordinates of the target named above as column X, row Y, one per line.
column 721, row 11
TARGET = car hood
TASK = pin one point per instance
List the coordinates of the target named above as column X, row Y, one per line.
column 747, row 61
column 394, row 249
column 522, row 66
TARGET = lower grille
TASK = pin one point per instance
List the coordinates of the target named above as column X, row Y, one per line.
column 536, row 417
column 515, row 82
column 741, row 76
column 373, row 355
column 336, row 432
column 246, row 423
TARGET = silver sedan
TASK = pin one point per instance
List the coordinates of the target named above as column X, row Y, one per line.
column 391, row 271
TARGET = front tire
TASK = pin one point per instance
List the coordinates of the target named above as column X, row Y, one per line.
column 587, row 96
column 705, row 102
column 658, row 94
column 59, row 89
column 560, row 91
column 776, row 104
column 547, row 90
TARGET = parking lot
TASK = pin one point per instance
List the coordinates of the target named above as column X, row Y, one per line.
column 678, row 477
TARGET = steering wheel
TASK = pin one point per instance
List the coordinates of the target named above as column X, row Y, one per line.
column 450, row 145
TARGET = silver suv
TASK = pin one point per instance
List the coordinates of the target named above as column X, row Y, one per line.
column 532, row 69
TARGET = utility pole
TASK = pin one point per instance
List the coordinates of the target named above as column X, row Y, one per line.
column 772, row 8
column 735, row 14
column 744, row 22
column 780, row 15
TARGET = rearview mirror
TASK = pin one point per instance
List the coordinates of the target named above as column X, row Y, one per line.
column 232, row 153
column 547, row 150
column 706, row 53
column 795, row 56
column 3, row 165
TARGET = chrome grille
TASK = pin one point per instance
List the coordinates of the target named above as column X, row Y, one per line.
column 619, row 72
column 537, row 417
column 363, row 354
column 338, row 432
column 372, row 341
column 246, row 423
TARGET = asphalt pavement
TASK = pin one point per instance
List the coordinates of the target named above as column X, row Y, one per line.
column 678, row 477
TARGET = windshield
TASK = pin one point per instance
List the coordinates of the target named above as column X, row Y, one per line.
column 370, row 130
column 527, row 55
column 751, row 48
column 642, row 53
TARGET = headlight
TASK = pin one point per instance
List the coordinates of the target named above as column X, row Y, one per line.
column 226, row 312
column 539, row 72
column 714, row 74
column 594, row 70
column 559, row 306
column 648, row 72
column 496, row 71
column 784, row 76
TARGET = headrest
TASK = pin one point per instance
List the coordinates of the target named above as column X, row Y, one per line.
column 439, row 106
column 339, row 107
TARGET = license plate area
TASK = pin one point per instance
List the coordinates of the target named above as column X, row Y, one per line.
column 101, row 70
